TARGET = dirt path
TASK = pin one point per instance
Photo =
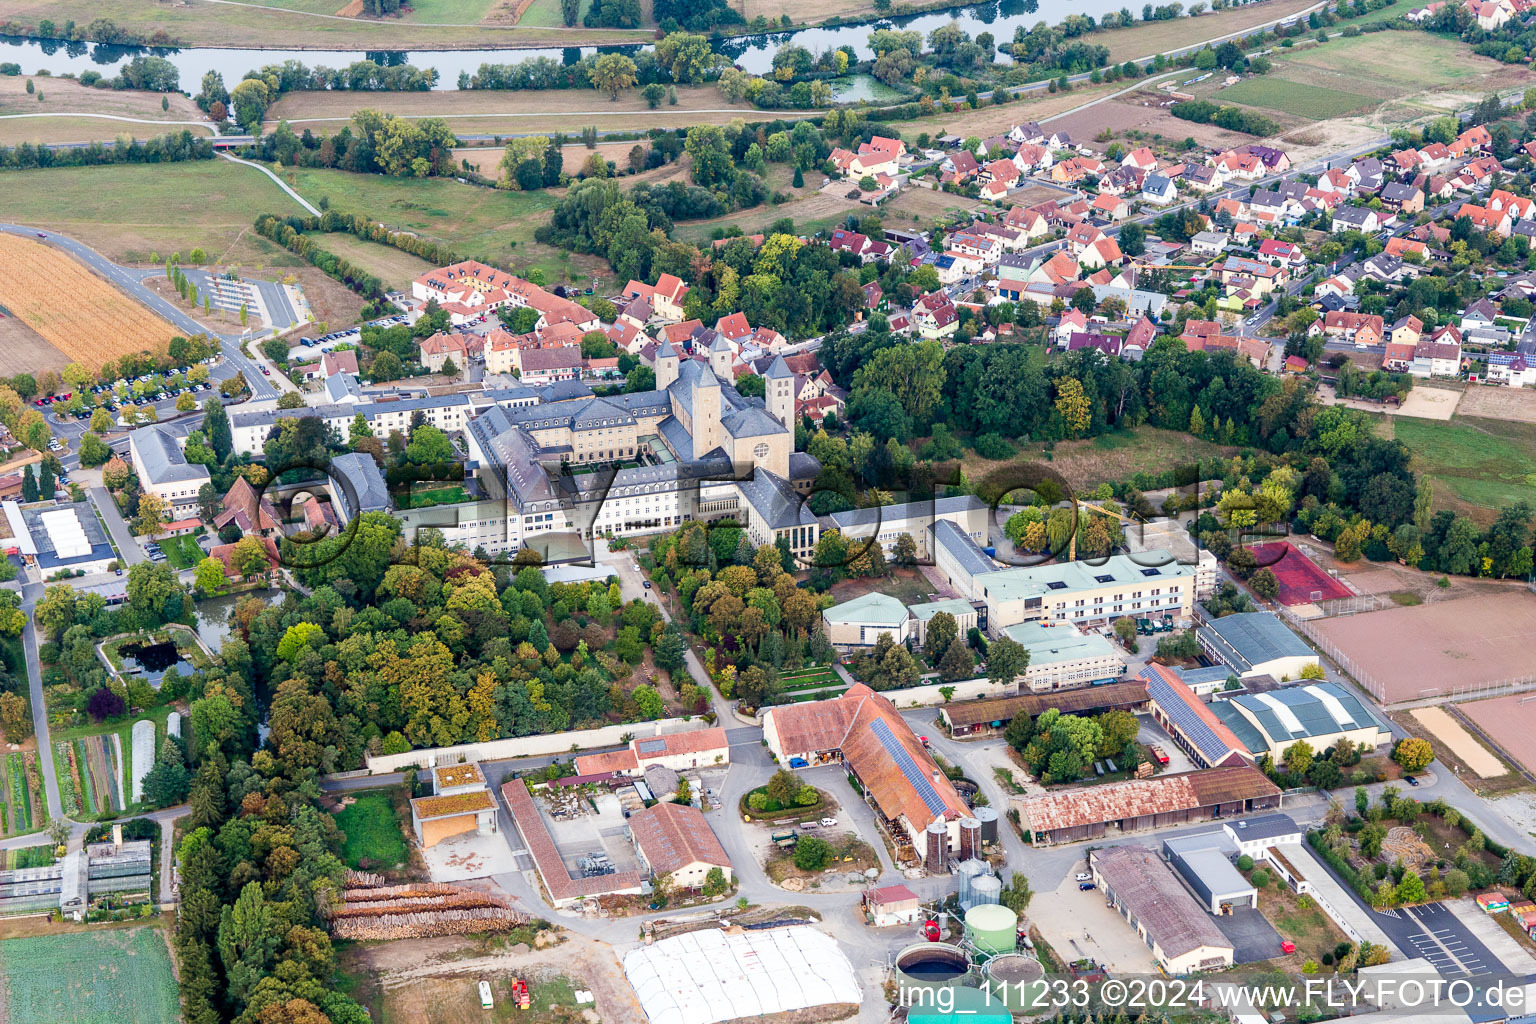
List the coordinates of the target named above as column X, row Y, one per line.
column 416, row 964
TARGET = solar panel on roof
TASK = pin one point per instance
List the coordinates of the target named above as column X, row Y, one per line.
column 1186, row 718
column 909, row 767
column 652, row 746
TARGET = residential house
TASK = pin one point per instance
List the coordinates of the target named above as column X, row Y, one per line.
column 1275, row 160
column 1511, row 368
column 958, row 168
column 1400, row 247
column 1208, row 243
column 1073, row 321
column 935, row 316
column 1438, row 355
column 1494, row 222
column 1403, row 199
column 1203, row 178
column 1104, row 252
column 1240, row 166
column 1355, row 218
column 1364, row 329
column 549, row 365
column 1113, row 207
column 1481, row 313
column 439, row 349
column 666, row 296
column 879, row 155
column 1158, row 189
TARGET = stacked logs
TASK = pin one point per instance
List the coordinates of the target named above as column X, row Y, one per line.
column 369, row 910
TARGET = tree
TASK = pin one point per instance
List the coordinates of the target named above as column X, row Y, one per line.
column 570, row 12
column 957, row 663
column 154, row 513
column 1265, row 584
column 812, row 853
column 941, row 632
column 1007, row 660
column 28, row 484
column 216, row 428
column 1298, row 757
column 1016, row 897
column 93, row 450
column 649, row 701
column 168, row 782
column 250, row 556
column 287, row 400
column 1073, row 405
column 15, row 718
column 210, row 576
column 613, row 73
column 1413, row 754
column 783, row 787
column 104, row 703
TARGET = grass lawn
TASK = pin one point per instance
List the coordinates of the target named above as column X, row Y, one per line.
column 480, row 223
column 128, row 211
column 1309, row 101
column 182, row 552
column 1298, row 918
column 397, row 269
column 1108, row 457
column 1478, row 466
column 428, row 496
column 374, row 839
column 116, row 976
column 546, row 14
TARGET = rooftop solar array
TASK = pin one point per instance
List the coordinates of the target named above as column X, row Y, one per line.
column 910, row 768
column 652, row 746
column 1189, row 721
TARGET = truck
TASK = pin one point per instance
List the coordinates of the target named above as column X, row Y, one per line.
column 1159, row 753
column 785, row 839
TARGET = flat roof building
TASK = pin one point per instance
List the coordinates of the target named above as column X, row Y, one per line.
column 861, row 621
column 1142, row 585
column 1256, row 643
column 1321, row 713
column 1064, row 657
column 887, row 523
column 67, row 536
column 1205, row 862
column 1164, row 915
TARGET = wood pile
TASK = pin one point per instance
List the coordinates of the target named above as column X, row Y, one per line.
column 371, row 911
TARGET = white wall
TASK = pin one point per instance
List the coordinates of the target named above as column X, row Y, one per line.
column 531, row 746
column 928, row 695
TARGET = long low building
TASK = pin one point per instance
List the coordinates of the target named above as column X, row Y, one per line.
column 1194, row 727
column 1164, row 915
column 1256, row 644
column 888, row 523
column 1322, row 714
column 1164, row 801
column 974, row 718
column 679, row 751
column 564, row 890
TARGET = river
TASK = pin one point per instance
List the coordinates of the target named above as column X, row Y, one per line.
column 751, row 53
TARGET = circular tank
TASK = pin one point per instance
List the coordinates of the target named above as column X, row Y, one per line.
column 986, row 889
column 1018, row 980
column 933, row 963
column 937, row 837
column 992, row 928
column 988, row 818
column 970, row 838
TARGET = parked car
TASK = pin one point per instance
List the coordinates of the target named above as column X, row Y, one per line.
column 1410, row 780
column 828, row 822
column 646, row 584
column 799, row 762
column 1086, row 887
column 1083, row 876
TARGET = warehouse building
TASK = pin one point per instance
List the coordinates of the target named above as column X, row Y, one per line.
column 1194, row 727
column 1135, row 805
column 1322, row 713
column 1256, row 643
column 675, row 840
column 1144, row 891
column 66, row 537
column 1205, row 863
column 1063, row 657
column 976, row 718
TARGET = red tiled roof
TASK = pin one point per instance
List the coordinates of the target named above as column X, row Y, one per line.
column 673, row 836
column 546, row 855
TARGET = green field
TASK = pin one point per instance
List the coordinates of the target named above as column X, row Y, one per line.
column 374, row 839
column 128, row 211
column 546, row 14
column 395, row 268
column 118, row 976
column 425, row 497
column 1309, row 101
column 1478, row 466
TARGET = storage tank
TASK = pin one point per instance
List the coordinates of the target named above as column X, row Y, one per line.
column 937, row 835
column 992, row 928
column 986, row 889
column 965, row 874
column 970, row 838
column 988, row 818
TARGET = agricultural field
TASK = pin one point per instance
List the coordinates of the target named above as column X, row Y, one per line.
column 62, row 94
column 109, row 976
column 374, row 838
column 23, row 350
column 90, row 772
column 1478, row 466
column 77, row 312
column 812, row 213
column 516, row 110
column 23, row 808
column 27, row 857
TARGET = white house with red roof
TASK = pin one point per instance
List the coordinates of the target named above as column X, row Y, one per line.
column 935, row 316
column 1140, row 158
column 666, row 296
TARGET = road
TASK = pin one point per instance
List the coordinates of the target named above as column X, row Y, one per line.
column 128, row 549
column 131, row 280
column 31, row 593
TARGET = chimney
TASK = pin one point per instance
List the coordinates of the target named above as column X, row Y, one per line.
column 117, row 839
column 937, row 776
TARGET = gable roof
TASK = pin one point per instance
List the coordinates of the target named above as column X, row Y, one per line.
column 673, row 836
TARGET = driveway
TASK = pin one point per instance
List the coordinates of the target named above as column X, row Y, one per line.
column 128, row 549
column 1253, row 938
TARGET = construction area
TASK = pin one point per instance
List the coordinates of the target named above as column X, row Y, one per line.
column 1478, row 759
column 1458, row 649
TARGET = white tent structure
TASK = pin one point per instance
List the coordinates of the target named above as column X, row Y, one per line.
column 709, row 976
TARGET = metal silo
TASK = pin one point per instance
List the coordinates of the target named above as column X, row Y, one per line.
column 937, row 835
column 986, row 889
column 988, row 818
column 966, row 873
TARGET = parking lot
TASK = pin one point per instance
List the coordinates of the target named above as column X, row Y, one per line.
column 1435, row 934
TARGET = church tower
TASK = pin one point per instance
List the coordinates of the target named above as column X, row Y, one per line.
column 707, row 432
column 721, row 356
column 666, row 366
column 780, row 393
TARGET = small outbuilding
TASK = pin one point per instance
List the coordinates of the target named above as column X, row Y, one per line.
column 891, row 905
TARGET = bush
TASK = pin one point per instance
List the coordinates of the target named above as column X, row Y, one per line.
column 1259, row 878
column 1245, row 863
column 994, row 446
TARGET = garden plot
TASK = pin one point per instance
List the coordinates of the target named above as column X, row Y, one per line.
column 22, row 809
column 810, row 684
column 91, row 776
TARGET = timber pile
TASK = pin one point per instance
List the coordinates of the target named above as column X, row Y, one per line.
column 364, row 880
column 418, row 911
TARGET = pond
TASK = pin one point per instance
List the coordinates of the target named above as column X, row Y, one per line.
column 213, row 614
column 751, row 53
column 153, row 661
column 855, row 88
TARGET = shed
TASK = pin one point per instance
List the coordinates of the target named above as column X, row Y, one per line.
column 890, row 905
column 1492, row 902
column 1204, row 861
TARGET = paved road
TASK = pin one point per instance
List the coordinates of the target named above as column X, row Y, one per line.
column 31, row 593
column 280, row 182
column 128, row 549
column 131, row 281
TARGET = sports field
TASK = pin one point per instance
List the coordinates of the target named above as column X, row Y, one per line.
column 1510, row 722
column 118, row 976
column 1302, row 581
column 1461, row 743
column 1439, row 649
